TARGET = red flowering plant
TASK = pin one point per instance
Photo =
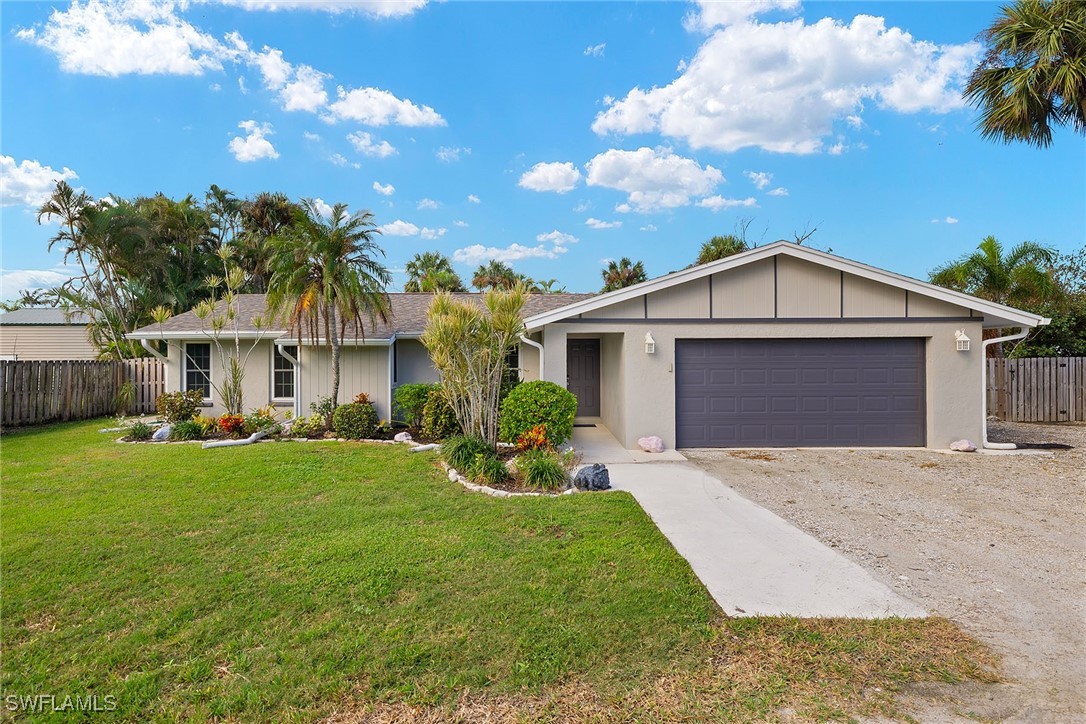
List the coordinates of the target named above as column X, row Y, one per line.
column 534, row 438
column 231, row 424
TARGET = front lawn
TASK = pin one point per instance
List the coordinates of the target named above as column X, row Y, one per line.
column 295, row 580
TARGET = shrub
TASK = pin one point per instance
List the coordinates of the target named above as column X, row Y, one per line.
column 410, row 401
column 487, row 469
column 208, row 425
column 325, row 407
column 459, row 451
column 438, row 419
column 178, row 406
column 185, row 430
column 262, row 418
column 362, row 398
column 534, row 438
column 140, row 431
column 231, row 424
column 355, row 420
column 126, row 395
column 311, row 426
column 538, row 403
column 542, row 469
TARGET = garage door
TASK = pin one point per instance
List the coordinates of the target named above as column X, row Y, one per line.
column 799, row 392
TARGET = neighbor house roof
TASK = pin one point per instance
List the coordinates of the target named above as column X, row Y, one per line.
column 995, row 315
column 43, row 316
column 407, row 317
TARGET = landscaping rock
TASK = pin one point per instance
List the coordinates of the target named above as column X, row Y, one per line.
column 161, row 434
column 963, row 446
column 592, row 477
column 453, row 475
column 652, row 444
column 402, row 437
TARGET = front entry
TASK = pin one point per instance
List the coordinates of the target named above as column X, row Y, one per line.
column 583, row 375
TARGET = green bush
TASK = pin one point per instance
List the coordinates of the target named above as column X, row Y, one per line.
column 538, row 403
column 438, row 419
column 542, row 469
column 140, row 431
column 325, row 407
column 185, row 430
column 459, row 451
column 487, row 469
column 311, row 426
column 179, row 406
column 355, row 421
column 410, row 401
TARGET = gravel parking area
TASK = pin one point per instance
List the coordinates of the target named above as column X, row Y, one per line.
column 994, row 542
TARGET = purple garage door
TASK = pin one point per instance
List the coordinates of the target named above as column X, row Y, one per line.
column 799, row 392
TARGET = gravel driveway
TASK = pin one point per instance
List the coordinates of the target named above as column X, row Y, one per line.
column 996, row 543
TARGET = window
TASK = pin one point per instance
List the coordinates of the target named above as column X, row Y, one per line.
column 283, row 372
column 198, row 367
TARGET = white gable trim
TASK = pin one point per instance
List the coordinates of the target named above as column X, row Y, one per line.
column 986, row 308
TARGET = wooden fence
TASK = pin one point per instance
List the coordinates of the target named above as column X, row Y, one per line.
column 1037, row 389
column 48, row 390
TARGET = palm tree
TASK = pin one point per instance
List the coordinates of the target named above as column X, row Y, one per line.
column 1021, row 278
column 623, row 273
column 494, row 275
column 720, row 247
column 550, row 286
column 432, row 271
column 325, row 275
column 262, row 217
column 1034, row 73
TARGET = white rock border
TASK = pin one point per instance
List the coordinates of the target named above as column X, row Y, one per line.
column 454, row 476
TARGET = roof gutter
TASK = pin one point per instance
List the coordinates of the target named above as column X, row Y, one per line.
column 532, row 343
column 984, row 390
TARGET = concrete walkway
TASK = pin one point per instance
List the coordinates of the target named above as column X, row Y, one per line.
column 753, row 562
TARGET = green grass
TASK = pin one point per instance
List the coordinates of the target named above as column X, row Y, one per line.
column 288, row 580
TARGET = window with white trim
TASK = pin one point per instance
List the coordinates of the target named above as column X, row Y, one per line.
column 198, row 368
column 283, row 372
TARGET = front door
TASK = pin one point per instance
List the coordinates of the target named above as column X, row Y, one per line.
column 583, row 374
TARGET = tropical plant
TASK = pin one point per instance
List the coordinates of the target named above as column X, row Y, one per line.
column 468, row 345
column 488, row 469
column 262, row 419
column 178, row 406
column 494, row 275
column 1065, row 336
column 720, row 247
column 534, row 438
column 538, row 403
column 185, row 430
column 126, row 395
column 410, row 401
column 438, row 418
column 325, row 407
column 140, row 431
column 208, row 425
column 326, row 276
column 459, row 451
column 355, row 421
column 550, row 286
column 231, row 424
column 623, row 273
column 542, row 468
column 1033, row 76
column 432, row 271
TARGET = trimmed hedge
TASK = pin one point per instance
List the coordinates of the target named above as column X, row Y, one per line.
column 538, row 403
column 355, row 421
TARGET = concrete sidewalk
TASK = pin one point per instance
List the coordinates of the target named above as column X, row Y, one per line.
column 753, row 562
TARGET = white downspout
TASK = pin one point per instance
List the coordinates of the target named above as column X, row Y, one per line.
column 984, row 390
column 146, row 344
column 297, row 375
column 391, row 369
column 531, row 343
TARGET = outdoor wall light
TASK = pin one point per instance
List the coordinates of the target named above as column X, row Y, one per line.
column 650, row 343
column 962, row 343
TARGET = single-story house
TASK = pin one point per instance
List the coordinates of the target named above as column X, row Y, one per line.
column 782, row 345
column 45, row 333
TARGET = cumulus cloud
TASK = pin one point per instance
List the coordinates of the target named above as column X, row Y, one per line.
column 472, row 198
column 13, row 281
column 368, row 145
column 428, row 233
column 29, row 182
column 386, row 190
column 760, row 179
column 782, row 86
column 596, row 51
column 426, row 204
column 322, row 208
column 713, row 13
column 376, row 107
column 557, row 238
column 450, row 154
column 716, row 203
column 779, row 191
column 560, row 177
column 478, row 254
column 594, row 223
column 399, row 227
column 254, row 145
column 373, row 8
column 648, row 227
column 461, row 224
column 946, row 220
column 338, row 159
column 653, row 179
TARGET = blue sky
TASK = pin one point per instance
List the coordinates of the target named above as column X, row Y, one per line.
column 550, row 135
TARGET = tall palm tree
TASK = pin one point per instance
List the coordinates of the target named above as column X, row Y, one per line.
column 1033, row 76
column 623, row 273
column 432, row 271
column 262, row 217
column 494, row 275
column 720, row 247
column 550, row 286
column 325, row 275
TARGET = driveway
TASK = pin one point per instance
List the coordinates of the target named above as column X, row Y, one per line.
column 996, row 543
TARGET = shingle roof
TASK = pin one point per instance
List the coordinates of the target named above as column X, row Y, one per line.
column 50, row 316
column 408, row 314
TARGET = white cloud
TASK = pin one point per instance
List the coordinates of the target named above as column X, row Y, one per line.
column 427, row 233
column 472, row 198
column 386, row 190
column 399, row 227
column 376, row 107
column 215, row 87
column 461, row 224
column 837, row 149
column 254, row 146
column 309, row 136
column 451, row 154
column 29, row 182
column 275, row 70
column 322, row 208
column 557, row 238
column 779, row 191
column 373, row 8
column 99, row 37
column 13, row 281
column 582, row 207
column 369, row 145
column 594, row 223
column 242, row 87
column 947, row 220
column 716, row 203
column 713, row 13
column 557, row 176
column 306, row 92
column 653, row 179
column 596, row 51
column 782, row 86
column 760, row 179
column 426, row 204
column 477, row 253
column 338, row 159
column 648, row 227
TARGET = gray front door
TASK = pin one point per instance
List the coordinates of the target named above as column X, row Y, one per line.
column 583, row 374
column 799, row 392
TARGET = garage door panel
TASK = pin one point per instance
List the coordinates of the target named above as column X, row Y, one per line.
column 809, row 392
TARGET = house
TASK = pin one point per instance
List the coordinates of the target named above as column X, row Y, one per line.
column 45, row 333
column 782, row 345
